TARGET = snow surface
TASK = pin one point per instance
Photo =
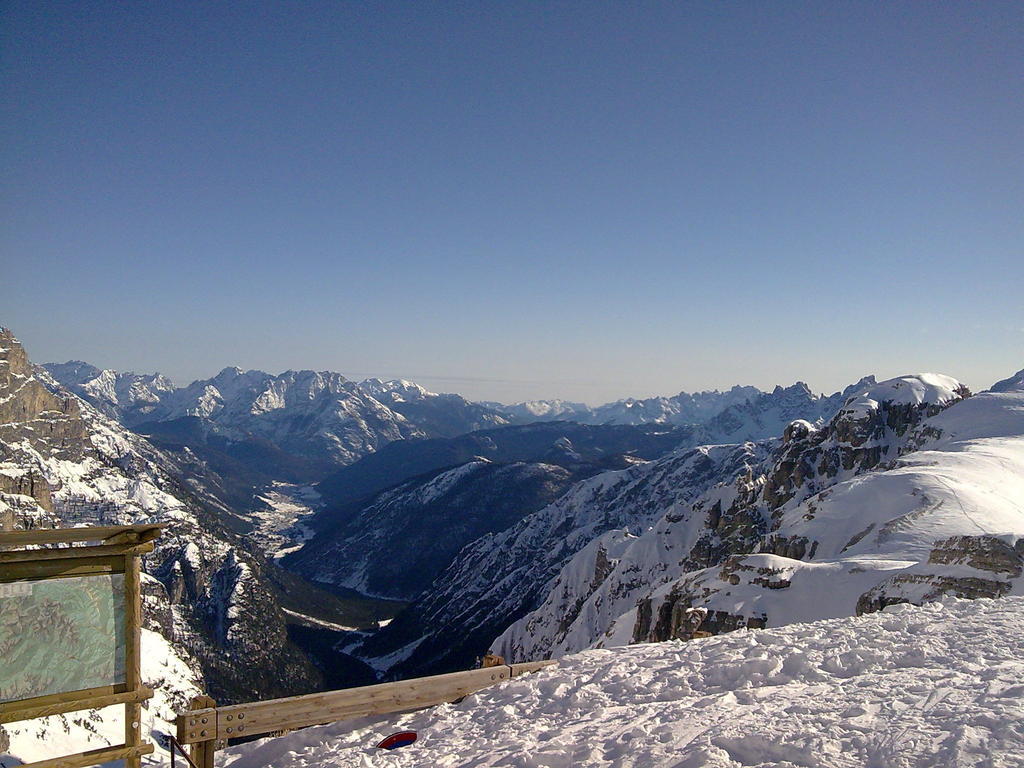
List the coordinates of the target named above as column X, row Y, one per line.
column 914, row 687
column 279, row 516
column 305, row 619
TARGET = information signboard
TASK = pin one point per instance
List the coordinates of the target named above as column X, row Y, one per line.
column 61, row 635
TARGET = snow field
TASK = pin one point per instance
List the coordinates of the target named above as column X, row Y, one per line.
column 910, row 687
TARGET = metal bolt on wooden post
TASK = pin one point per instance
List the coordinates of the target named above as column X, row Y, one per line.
column 203, row 751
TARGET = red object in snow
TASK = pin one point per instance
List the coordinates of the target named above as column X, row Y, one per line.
column 396, row 740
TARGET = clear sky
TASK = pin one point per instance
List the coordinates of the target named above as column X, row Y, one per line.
column 513, row 200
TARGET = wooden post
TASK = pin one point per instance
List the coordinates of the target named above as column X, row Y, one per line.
column 202, row 751
column 132, row 655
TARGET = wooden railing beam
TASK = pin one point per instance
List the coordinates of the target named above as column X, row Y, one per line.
column 207, row 724
column 526, row 667
column 146, row 532
column 130, row 549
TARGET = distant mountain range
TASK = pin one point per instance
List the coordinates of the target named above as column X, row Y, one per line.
column 298, row 425
column 318, row 415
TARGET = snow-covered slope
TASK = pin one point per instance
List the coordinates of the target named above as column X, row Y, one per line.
column 909, row 492
column 500, row 576
column 914, row 687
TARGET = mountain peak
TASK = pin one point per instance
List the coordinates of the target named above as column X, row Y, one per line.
column 798, row 388
column 76, row 371
column 913, row 389
column 1013, row 383
column 230, row 372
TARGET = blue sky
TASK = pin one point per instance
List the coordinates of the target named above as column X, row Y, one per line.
column 517, row 200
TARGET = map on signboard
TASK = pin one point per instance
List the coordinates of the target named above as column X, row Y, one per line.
column 61, row 635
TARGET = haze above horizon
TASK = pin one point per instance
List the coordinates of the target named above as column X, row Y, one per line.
column 517, row 201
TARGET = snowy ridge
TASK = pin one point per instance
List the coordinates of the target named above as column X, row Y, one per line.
column 909, row 492
column 750, row 409
column 915, row 687
column 922, row 389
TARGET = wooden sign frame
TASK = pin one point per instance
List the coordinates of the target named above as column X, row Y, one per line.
column 66, row 553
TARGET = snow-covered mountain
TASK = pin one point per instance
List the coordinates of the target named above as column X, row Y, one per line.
column 910, row 492
column 681, row 532
column 344, row 555
column 532, row 411
column 437, row 415
column 684, row 408
column 318, row 415
column 254, row 430
column 914, row 687
column 767, row 414
column 127, row 397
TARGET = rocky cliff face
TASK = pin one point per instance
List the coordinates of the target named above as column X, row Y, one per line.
column 909, row 492
column 33, row 421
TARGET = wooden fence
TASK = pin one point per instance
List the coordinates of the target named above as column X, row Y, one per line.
column 206, row 727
